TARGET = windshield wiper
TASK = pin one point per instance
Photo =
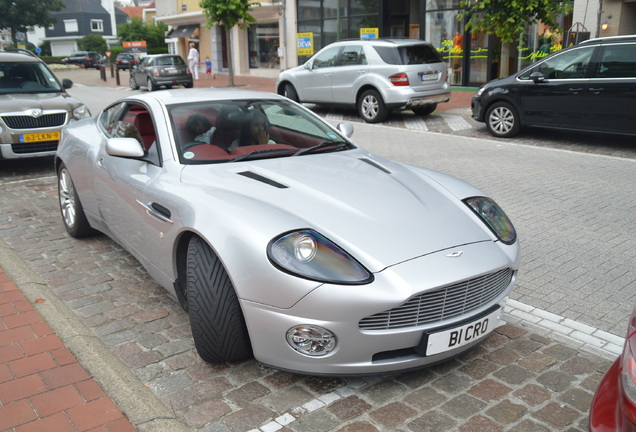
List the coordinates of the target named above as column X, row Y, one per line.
column 338, row 144
column 259, row 153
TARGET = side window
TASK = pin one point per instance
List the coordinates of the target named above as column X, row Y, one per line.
column 618, row 61
column 352, row 55
column 568, row 65
column 326, row 58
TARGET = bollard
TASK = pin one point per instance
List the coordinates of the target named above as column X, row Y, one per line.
column 112, row 71
column 117, row 76
column 102, row 72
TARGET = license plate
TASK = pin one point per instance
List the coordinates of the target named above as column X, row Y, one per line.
column 172, row 71
column 429, row 77
column 42, row 136
column 459, row 336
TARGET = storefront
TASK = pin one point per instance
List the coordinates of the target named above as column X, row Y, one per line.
column 472, row 58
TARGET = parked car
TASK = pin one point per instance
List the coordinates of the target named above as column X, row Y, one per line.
column 614, row 403
column 34, row 106
column 586, row 87
column 307, row 251
column 375, row 75
column 161, row 70
column 86, row 59
column 126, row 60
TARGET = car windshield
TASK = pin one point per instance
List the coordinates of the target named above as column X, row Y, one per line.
column 27, row 77
column 234, row 131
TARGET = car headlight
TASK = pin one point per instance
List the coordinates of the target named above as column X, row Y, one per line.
column 307, row 254
column 494, row 217
column 81, row 112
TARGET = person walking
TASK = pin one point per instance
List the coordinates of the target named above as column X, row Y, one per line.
column 193, row 61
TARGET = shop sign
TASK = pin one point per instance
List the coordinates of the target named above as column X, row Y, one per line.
column 134, row 47
column 305, row 44
column 369, row 33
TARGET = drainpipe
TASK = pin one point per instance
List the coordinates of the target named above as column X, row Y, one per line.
column 284, row 35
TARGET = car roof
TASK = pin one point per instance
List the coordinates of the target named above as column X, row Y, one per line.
column 180, row 96
column 18, row 57
column 610, row 39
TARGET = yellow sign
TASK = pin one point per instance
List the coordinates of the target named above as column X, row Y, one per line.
column 38, row 137
column 305, row 43
column 369, row 33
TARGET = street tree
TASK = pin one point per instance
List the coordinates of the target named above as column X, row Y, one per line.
column 228, row 13
column 92, row 42
column 507, row 19
column 18, row 15
column 138, row 30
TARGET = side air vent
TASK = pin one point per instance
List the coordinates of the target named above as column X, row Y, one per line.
column 262, row 179
column 375, row 164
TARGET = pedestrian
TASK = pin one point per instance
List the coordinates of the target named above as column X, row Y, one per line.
column 193, row 61
column 208, row 67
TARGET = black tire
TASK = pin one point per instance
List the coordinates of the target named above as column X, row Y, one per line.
column 425, row 110
column 151, row 86
column 71, row 208
column 218, row 326
column 371, row 107
column 502, row 120
column 290, row 92
column 133, row 82
column 188, row 85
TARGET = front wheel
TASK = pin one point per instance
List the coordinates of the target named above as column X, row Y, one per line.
column 502, row 120
column 290, row 92
column 218, row 327
column 71, row 209
column 133, row 82
column 371, row 107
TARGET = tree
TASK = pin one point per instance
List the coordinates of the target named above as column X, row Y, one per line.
column 92, row 42
column 228, row 13
column 138, row 30
column 507, row 19
column 18, row 15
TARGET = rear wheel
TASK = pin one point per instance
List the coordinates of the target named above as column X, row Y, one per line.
column 371, row 107
column 71, row 209
column 502, row 120
column 217, row 322
column 151, row 86
column 425, row 110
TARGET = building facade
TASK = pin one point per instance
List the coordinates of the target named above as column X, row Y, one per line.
column 289, row 31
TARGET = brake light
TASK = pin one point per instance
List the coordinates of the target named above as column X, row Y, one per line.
column 155, row 72
column 89, row 58
column 628, row 379
column 399, row 79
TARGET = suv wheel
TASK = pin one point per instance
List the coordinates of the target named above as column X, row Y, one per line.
column 371, row 107
column 502, row 120
column 151, row 85
column 133, row 82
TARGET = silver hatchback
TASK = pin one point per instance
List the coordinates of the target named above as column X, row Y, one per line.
column 375, row 76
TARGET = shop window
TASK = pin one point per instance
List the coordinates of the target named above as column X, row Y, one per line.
column 264, row 40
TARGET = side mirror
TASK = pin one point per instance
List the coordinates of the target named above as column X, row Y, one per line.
column 537, row 77
column 307, row 65
column 346, row 129
column 125, row 147
column 67, row 83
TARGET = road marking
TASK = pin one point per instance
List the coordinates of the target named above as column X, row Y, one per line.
column 415, row 122
column 457, row 122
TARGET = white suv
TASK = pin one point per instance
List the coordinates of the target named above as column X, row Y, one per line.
column 375, row 75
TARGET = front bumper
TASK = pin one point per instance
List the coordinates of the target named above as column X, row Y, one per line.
column 477, row 110
column 340, row 309
column 20, row 151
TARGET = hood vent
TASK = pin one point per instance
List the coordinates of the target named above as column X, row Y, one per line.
column 375, row 164
column 262, row 179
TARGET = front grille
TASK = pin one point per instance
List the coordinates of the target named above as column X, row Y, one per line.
column 442, row 304
column 29, row 122
column 37, row 147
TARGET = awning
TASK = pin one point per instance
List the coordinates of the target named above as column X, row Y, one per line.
column 183, row 31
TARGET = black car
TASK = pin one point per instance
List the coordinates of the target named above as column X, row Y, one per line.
column 126, row 61
column 86, row 59
column 161, row 70
column 587, row 87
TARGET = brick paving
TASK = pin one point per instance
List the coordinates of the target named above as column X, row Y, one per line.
column 523, row 378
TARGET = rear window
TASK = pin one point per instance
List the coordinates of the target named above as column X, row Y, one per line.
column 409, row 55
column 168, row 61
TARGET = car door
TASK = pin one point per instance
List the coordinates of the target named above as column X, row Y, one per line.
column 352, row 67
column 140, row 71
column 120, row 183
column 316, row 81
column 612, row 90
column 558, row 97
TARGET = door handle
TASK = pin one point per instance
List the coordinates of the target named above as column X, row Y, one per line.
column 100, row 162
column 157, row 210
column 575, row 90
column 597, row 90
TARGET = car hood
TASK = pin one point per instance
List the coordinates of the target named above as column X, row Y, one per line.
column 379, row 211
column 16, row 102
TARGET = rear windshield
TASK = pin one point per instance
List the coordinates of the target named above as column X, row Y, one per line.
column 168, row 61
column 409, row 55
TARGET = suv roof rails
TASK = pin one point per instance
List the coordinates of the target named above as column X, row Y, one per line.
column 609, row 38
column 20, row 51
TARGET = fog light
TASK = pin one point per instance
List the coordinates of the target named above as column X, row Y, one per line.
column 311, row 340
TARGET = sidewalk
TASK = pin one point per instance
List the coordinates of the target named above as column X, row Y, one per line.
column 460, row 98
column 42, row 385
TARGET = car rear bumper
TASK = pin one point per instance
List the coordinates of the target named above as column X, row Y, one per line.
column 605, row 413
column 406, row 98
column 172, row 81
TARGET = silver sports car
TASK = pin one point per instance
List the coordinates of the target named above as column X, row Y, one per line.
column 283, row 239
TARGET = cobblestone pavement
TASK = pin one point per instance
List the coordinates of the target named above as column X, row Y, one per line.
column 523, row 378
